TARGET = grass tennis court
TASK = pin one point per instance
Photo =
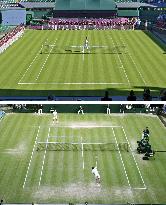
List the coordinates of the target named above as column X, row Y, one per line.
column 28, row 175
column 25, row 71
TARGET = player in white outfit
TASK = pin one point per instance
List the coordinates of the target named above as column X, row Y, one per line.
column 86, row 44
column 55, row 116
column 96, row 173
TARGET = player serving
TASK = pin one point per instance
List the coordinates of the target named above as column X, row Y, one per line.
column 55, row 116
column 96, row 174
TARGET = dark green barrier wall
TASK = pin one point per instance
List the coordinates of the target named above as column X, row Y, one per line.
column 85, row 5
column 39, row 14
column 86, row 108
column 128, row 13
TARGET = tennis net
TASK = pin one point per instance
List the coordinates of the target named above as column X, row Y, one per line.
column 55, row 49
column 64, row 146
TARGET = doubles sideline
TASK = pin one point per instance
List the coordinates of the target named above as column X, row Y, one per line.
column 43, row 162
column 138, row 169
column 141, row 76
column 144, row 186
column 25, row 179
column 30, row 64
column 122, row 66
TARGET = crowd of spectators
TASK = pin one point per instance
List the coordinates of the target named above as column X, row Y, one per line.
column 87, row 24
column 10, row 37
column 146, row 95
column 161, row 21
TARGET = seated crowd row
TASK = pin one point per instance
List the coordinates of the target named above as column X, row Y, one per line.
column 11, row 37
column 87, row 24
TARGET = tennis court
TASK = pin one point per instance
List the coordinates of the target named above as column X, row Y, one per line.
column 34, row 172
column 53, row 61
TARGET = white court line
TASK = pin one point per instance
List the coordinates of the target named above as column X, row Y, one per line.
column 75, row 143
column 83, row 126
column 83, row 55
column 25, row 179
column 30, row 65
column 90, row 126
column 135, row 161
column 41, row 173
column 142, row 78
column 121, row 159
column 54, row 83
column 45, row 61
column 124, row 70
column 141, row 188
column 82, row 149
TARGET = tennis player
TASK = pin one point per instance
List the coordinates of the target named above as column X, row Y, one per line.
column 86, row 45
column 96, row 174
column 81, row 110
column 55, row 116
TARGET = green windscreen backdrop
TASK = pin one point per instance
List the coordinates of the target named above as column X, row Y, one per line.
column 62, row 5
column 77, row 4
column 85, row 5
column 93, row 4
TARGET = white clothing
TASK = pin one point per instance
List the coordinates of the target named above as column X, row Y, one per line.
column 86, row 46
column 96, row 173
column 55, row 115
column 40, row 111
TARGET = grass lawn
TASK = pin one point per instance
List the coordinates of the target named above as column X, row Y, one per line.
column 26, row 72
column 28, row 175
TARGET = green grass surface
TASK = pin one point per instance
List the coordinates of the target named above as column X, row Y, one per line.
column 63, row 178
column 143, row 65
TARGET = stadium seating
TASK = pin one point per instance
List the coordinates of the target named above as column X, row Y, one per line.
column 5, row 29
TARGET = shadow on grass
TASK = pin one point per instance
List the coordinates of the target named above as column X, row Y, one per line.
column 138, row 90
column 157, row 40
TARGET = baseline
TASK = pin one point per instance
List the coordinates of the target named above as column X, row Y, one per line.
column 67, row 83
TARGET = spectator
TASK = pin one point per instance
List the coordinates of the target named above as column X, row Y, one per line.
column 131, row 96
column 50, row 98
column 106, row 97
column 146, row 95
column 163, row 95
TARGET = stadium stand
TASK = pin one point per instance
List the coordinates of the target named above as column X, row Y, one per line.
column 146, row 10
column 84, row 24
column 10, row 38
column 131, row 9
column 85, row 8
column 161, row 21
column 5, row 29
column 38, row 10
